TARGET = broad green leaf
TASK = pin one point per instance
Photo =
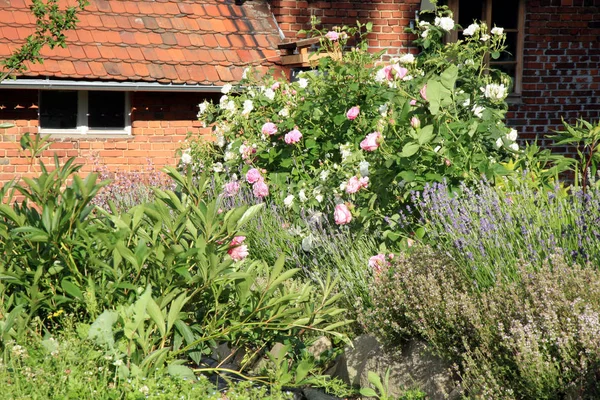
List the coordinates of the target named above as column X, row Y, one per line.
column 449, row 76
column 409, row 149
column 71, row 289
column 302, row 370
column 425, row 134
column 181, row 372
column 156, row 314
column 101, row 330
column 368, row 392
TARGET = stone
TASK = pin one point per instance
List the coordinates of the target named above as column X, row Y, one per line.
column 321, row 345
column 411, row 366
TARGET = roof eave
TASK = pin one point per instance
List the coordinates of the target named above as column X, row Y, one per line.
column 127, row 86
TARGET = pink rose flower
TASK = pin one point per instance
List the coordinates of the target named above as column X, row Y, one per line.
column 342, row 215
column 253, row 176
column 400, row 71
column 237, row 240
column 275, row 86
column 293, row 136
column 423, row 92
column 260, row 189
column 238, row 251
column 371, row 142
column 394, row 71
column 269, row 129
column 332, row 35
column 353, row 113
column 413, row 102
column 353, row 185
column 364, row 182
column 415, row 122
column 378, row 262
column 231, row 188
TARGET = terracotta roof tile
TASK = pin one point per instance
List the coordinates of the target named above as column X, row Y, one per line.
column 178, row 41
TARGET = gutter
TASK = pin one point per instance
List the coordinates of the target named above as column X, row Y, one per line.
column 126, row 86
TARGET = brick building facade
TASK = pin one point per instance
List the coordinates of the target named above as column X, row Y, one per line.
column 183, row 45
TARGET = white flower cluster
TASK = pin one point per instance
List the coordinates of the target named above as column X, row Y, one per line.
column 471, row 30
column 495, row 92
column 497, row 31
column 407, row 59
column 226, row 104
column 248, row 107
column 511, row 138
column 446, row 23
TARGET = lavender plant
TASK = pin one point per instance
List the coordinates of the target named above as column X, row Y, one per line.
column 128, row 189
column 491, row 230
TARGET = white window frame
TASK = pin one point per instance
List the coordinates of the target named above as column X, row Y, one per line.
column 82, row 128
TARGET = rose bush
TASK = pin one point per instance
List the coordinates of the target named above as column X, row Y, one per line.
column 365, row 134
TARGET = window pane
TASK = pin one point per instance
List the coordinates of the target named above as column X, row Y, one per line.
column 468, row 11
column 106, row 110
column 505, row 13
column 511, row 48
column 58, row 109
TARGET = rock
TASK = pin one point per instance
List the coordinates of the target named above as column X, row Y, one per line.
column 321, row 345
column 411, row 367
column 265, row 361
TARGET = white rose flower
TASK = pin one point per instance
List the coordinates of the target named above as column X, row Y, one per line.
column 302, row 196
column 471, row 29
column 230, row 106
column 284, row 112
column 319, row 198
column 218, row 167
column 220, row 140
column 226, row 88
column 514, row 147
column 446, row 23
column 343, row 186
column 437, row 148
column 407, row 59
column 469, row 62
column 478, row 110
column 499, row 142
column 466, row 103
column 494, row 92
column 229, row 155
column 425, row 33
column 424, row 23
column 380, row 76
column 289, row 201
column 303, row 83
column 245, row 74
column 363, row 168
column 248, row 107
column 512, row 135
column 485, row 37
column 270, row 94
column 383, row 109
column 186, row 158
column 345, row 151
column 497, row 31
column 203, row 107
column 324, row 175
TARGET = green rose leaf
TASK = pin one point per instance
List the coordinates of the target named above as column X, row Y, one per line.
column 425, row 135
column 409, row 149
column 449, row 77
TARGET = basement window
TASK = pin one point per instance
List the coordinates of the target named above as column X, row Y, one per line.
column 83, row 112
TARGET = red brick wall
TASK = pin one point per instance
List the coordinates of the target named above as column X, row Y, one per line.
column 389, row 17
column 561, row 76
column 160, row 122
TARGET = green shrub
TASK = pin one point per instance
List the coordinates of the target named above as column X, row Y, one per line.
column 68, row 366
column 533, row 338
column 359, row 135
